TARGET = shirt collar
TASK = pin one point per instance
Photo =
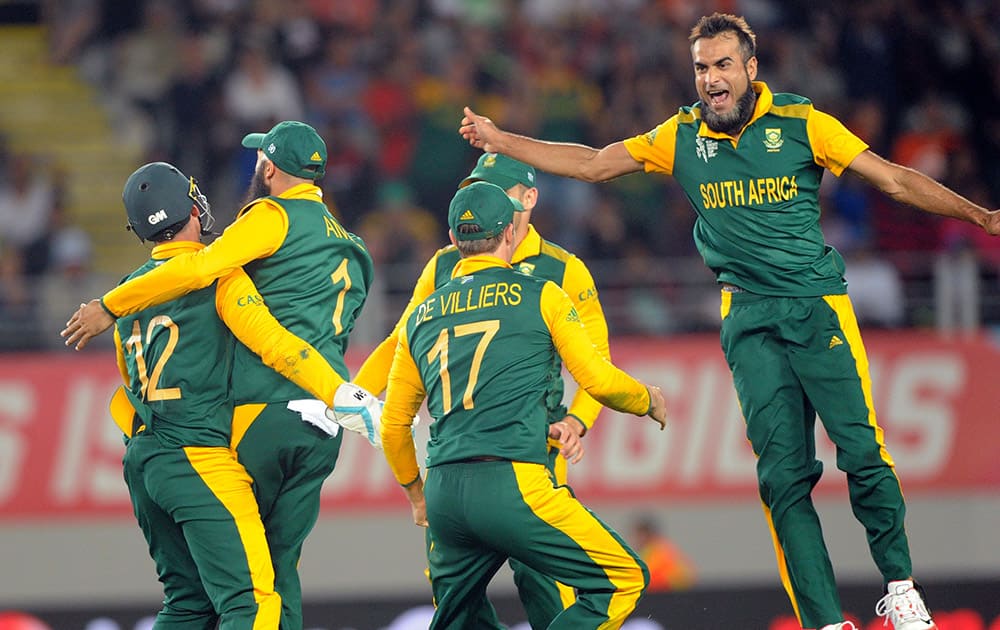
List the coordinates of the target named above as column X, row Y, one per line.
column 302, row 191
column 308, row 191
column 472, row 264
column 173, row 248
column 530, row 245
column 763, row 105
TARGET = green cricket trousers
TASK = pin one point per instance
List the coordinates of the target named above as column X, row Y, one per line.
column 793, row 359
column 481, row 513
column 197, row 510
column 289, row 460
column 542, row 597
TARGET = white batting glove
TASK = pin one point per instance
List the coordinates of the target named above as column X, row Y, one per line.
column 356, row 409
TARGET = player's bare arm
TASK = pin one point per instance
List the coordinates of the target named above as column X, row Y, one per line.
column 89, row 321
column 569, row 437
column 657, row 406
column 559, row 158
column 913, row 188
column 418, row 505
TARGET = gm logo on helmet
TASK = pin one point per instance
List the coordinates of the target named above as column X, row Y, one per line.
column 156, row 218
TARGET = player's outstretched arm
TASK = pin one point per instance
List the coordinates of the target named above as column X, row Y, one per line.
column 567, row 159
column 257, row 233
column 913, row 188
column 373, row 374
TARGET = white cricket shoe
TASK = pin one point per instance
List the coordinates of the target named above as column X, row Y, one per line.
column 844, row 625
column 904, row 607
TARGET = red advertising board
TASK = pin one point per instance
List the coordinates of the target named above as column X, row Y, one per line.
column 937, row 399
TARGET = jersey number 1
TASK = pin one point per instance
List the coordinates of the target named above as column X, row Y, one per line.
column 340, row 275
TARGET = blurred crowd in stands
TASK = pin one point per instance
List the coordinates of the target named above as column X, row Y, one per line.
column 384, row 81
column 42, row 252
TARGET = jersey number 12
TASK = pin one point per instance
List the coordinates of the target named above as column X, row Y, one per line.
column 150, row 382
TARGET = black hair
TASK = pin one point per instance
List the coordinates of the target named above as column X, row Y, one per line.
column 169, row 232
column 718, row 23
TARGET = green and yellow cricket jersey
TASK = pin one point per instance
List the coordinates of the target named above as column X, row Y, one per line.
column 757, row 195
column 484, row 344
column 167, row 378
column 316, row 282
column 536, row 257
column 294, row 223
column 163, row 352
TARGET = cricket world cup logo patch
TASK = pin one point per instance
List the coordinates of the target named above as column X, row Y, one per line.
column 773, row 140
column 705, row 148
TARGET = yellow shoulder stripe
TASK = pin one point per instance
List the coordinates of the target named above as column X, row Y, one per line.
column 554, row 251
column 791, row 111
column 259, row 200
column 689, row 116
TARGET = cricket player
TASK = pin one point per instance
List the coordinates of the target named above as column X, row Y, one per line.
column 314, row 275
column 750, row 162
column 542, row 597
column 480, row 350
column 194, row 501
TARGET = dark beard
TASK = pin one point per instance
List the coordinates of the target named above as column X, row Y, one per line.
column 258, row 187
column 731, row 123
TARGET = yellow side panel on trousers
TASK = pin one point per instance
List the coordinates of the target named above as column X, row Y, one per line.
column 243, row 417
column 725, row 304
column 231, row 485
column 561, row 472
column 841, row 305
column 786, row 581
column 122, row 411
column 571, row 518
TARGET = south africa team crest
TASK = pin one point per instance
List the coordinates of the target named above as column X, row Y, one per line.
column 773, row 140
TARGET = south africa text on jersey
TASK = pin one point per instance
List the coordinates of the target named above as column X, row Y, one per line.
column 470, row 299
column 752, row 192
